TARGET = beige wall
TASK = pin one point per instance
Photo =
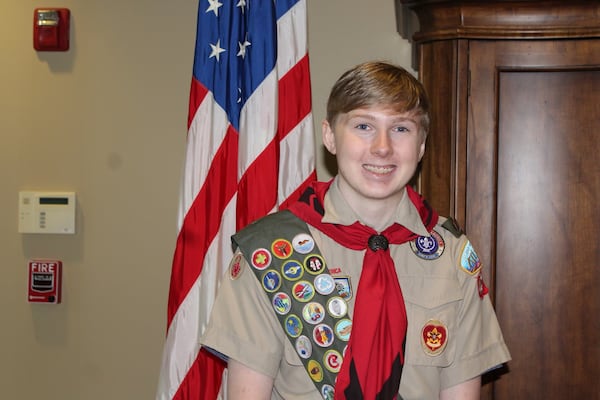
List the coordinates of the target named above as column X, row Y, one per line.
column 108, row 120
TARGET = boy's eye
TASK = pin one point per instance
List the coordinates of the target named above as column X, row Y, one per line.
column 401, row 129
column 362, row 126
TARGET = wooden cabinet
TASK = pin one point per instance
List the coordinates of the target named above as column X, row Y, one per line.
column 514, row 155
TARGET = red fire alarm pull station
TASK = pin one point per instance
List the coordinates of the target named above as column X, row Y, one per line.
column 51, row 29
column 45, row 278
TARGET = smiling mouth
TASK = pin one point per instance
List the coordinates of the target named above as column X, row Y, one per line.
column 376, row 169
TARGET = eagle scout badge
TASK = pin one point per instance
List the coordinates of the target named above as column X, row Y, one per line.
column 434, row 337
column 428, row 247
column 469, row 260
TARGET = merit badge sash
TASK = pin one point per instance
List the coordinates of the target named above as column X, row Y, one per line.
column 296, row 279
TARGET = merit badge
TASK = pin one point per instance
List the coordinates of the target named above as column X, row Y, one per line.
column 323, row 335
column 236, row 268
column 313, row 313
column 327, row 392
column 304, row 347
column 293, row 325
column 261, row 259
column 324, row 284
column 271, row 281
column 303, row 243
column 332, row 361
column 314, row 264
column 469, row 260
column 434, row 337
column 428, row 247
column 303, row 291
column 281, row 248
column 314, row 370
column 337, row 307
column 343, row 329
column 292, row 270
column 282, row 303
column 343, row 287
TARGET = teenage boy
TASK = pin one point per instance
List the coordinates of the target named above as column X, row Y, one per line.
column 359, row 290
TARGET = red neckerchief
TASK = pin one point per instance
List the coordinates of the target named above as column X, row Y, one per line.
column 374, row 357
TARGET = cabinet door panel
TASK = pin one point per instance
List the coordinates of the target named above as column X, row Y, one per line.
column 533, row 184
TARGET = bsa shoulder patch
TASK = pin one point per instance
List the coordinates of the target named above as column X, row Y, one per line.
column 452, row 226
column 469, row 260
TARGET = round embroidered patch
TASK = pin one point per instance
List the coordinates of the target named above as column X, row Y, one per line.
column 236, row 268
column 332, row 361
column 304, row 347
column 281, row 248
column 303, row 291
column 428, row 247
column 303, row 243
column 343, row 329
column 271, row 281
column 324, row 284
column 293, row 325
column 261, row 259
column 292, row 270
column 282, row 303
column 313, row 313
column 337, row 307
column 469, row 260
column 327, row 392
column 314, row 370
column 323, row 335
column 314, row 264
column 434, row 337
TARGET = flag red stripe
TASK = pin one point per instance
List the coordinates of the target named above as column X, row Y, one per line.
column 204, row 376
column 257, row 190
column 294, row 97
column 197, row 94
column 188, row 260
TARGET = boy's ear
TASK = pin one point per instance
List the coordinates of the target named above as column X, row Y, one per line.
column 328, row 137
column 422, row 150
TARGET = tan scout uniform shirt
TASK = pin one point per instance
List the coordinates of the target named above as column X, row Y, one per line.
column 244, row 327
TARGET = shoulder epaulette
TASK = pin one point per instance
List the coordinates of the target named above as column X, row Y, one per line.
column 452, row 226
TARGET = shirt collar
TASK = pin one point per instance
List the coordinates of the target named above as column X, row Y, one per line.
column 337, row 211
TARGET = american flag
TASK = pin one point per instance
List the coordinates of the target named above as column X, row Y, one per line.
column 250, row 151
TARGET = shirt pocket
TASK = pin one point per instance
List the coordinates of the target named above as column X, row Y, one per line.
column 432, row 322
column 293, row 380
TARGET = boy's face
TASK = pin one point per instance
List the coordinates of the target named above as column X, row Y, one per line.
column 377, row 151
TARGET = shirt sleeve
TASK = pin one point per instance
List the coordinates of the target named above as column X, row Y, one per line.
column 243, row 325
column 479, row 342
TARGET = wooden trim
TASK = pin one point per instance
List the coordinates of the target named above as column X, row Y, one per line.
column 450, row 19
